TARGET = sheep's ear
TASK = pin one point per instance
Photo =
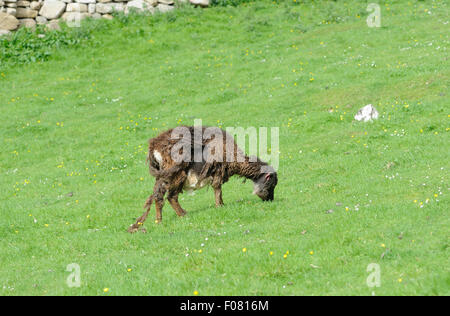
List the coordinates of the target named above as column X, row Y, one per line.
column 268, row 176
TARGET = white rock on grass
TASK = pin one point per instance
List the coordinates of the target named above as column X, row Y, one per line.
column 52, row 9
column 367, row 113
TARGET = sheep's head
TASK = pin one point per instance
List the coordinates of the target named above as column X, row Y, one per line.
column 264, row 186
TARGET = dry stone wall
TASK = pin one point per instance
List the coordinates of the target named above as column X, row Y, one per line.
column 29, row 13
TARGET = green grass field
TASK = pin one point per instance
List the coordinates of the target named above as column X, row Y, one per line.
column 74, row 132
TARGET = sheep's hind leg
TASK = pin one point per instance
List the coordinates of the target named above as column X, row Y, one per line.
column 140, row 221
column 158, row 197
column 173, row 200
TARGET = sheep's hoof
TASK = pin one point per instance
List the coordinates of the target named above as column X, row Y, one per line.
column 133, row 229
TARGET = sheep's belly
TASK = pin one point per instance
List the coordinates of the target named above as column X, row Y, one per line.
column 192, row 183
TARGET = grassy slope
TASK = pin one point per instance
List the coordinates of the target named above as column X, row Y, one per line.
column 64, row 131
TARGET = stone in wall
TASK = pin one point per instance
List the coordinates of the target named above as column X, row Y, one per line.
column 104, row 8
column 86, row 1
column 11, row 4
column 164, row 7
column 52, row 9
column 53, row 25
column 200, row 3
column 74, row 16
column 119, row 7
column 153, row 3
column 8, row 22
column 26, row 13
column 23, row 4
column 41, row 20
column 138, row 6
column 36, row 5
column 28, row 23
column 77, row 7
column 92, row 7
column 29, row 13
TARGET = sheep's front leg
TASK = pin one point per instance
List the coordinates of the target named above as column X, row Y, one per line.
column 159, row 205
column 173, row 200
column 218, row 195
column 160, row 191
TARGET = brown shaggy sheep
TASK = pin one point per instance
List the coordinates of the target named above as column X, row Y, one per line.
column 189, row 158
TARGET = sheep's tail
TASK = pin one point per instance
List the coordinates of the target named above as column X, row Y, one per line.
column 156, row 170
column 154, row 166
